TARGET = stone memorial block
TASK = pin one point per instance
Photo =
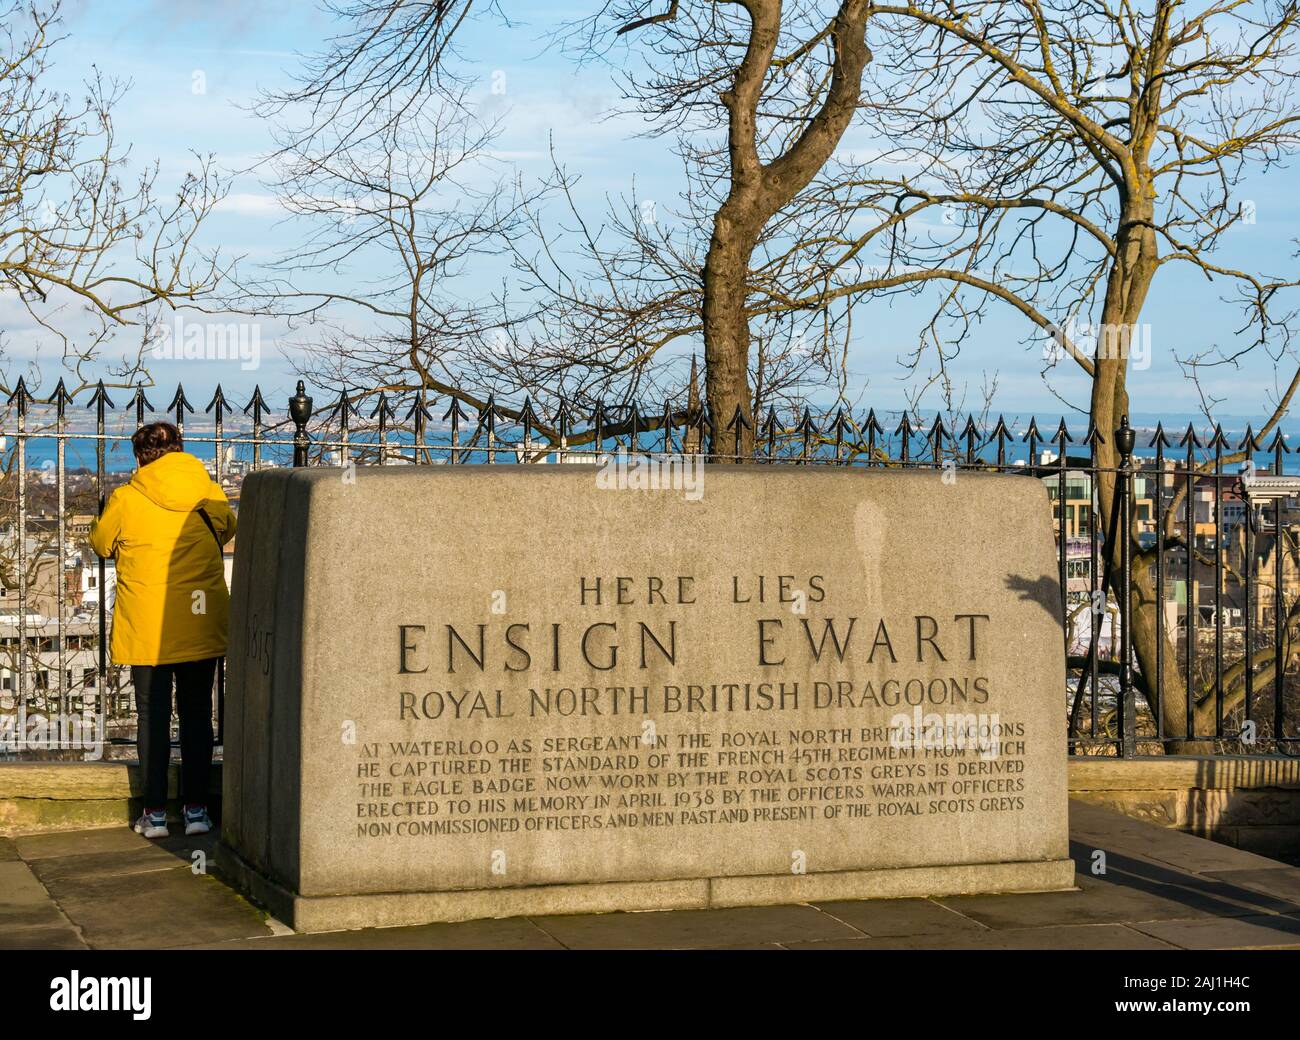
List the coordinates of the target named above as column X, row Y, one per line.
column 481, row 691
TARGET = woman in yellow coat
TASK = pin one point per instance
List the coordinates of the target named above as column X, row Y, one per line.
column 166, row 529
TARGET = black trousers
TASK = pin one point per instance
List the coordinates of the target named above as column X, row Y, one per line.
column 153, row 708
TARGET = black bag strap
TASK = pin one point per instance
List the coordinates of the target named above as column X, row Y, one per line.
column 203, row 515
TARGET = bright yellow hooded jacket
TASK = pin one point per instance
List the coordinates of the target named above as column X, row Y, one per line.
column 172, row 603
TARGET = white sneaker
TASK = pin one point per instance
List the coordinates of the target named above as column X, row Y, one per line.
column 197, row 820
column 152, row 824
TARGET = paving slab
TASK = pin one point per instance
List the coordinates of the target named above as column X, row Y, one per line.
column 1098, row 828
column 112, row 888
column 885, row 917
column 695, row 929
column 184, row 846
column 1242, row 933
column 748, row 946
column 1280, row 882
column 157, row 909
column 24, row 901
column 1201, row 892
column 140, row 860
column 515, row 933
column 1058, row 937
column 33, row 847
column 1118, row 898
column 45, row 937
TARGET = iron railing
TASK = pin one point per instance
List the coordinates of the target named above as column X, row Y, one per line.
column 1233, row 651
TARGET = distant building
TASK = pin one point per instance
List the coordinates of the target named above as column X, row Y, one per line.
column 90, row 590
column 1077, row 508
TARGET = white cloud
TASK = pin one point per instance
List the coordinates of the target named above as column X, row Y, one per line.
column 250, row 204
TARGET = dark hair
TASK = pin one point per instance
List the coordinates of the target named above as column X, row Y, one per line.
column 152, row 442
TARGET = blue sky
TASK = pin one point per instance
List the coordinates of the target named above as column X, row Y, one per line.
column 239, row 46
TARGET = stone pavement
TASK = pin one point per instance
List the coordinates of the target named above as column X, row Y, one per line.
column 111, row 889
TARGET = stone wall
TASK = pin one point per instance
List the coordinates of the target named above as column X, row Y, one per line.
column 65, row 796
column 1250, row 803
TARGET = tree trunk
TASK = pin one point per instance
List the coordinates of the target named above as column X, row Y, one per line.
column 756, row 192
column 1126, row 292
column 726, row 336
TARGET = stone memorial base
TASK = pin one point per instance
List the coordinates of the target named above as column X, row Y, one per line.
column 395, row 909
column 487, row 691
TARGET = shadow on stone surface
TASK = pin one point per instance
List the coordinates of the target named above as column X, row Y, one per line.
column 1200, row 894
column 1043, row 591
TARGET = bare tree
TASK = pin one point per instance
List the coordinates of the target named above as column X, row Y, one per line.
column 757, row 95
column 1076, row 151
column 391, row 217
column 72, row 234
column 731, row 56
